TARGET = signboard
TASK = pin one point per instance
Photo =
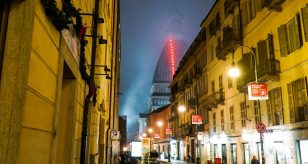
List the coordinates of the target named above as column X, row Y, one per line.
column 115, row 135
column 196, row 119
column 168, row 131
column 257, row 91
column 156, row 135
column 261, row 128
column 146, row 142
column 136, row 149
column 72, row 41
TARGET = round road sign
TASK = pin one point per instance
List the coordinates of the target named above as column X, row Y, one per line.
column 261, row 128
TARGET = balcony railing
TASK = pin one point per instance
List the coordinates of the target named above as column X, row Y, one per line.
column 274, row 5
column 267, row 70
column 214, row 99
column 231, row 38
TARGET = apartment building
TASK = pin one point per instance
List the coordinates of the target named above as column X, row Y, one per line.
column 273, row 37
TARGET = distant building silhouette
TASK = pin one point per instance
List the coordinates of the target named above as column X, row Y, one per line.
column 123, row 131
column 164, row 71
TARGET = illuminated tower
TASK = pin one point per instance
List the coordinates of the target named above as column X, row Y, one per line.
column 164, row 71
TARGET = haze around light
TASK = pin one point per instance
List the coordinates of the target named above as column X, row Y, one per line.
column 145, row 27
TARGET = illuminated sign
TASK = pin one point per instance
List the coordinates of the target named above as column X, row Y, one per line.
column 257, row 91
column 156, row 135
column 196, row 119
column 168, row 131
column 115, row 135
column 136, row 149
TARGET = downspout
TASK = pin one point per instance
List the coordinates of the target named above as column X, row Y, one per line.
column 84, row 134
column 110, row 95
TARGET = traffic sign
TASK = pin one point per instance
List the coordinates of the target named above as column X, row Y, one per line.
column 261, row 128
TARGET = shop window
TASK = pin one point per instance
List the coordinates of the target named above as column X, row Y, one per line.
column 290, row 36
column 274, row 107
column 298, row 105
column 303, row 151
column 233, row 154
column 223, row 154
column 245, row 148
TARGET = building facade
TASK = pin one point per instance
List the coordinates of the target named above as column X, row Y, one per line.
column 59, row 81
column 273, row 37
column 159, row 121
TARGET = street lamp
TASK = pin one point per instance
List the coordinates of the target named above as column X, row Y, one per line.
column 150, row 130
column 159, row 124
column 181, row 108
column 234, row 72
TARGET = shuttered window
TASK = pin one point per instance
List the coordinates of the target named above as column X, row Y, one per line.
column 243, row 114
column 290, row 36
column 244, row 14
column 297, row 93
column 231, row 109
column 274, row 107
column 4, row 14
column 305, row 21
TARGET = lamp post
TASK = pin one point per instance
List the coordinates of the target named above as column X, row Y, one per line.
column 234, row 72
column 150, row 130
column 159, row 124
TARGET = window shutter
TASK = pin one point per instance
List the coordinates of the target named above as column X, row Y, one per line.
column 269, row 110
column 284, row 51
column 270, row 46
column 305, row 21
column 279, row 108
column 298, row 35
column 258, row 5
column 291, row 104
column 244, row 14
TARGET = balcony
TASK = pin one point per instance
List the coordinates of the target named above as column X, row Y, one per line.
column 268, row 70
column 274, row 5
column 231, row 38
column 213, row 100
column 198, row 72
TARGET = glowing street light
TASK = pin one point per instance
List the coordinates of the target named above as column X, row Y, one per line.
column 159, row 123
column 150, row 130
column 234, row 72
column 181, row 108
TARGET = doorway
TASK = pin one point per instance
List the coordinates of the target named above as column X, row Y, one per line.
column 233, row 154
column 65, row 118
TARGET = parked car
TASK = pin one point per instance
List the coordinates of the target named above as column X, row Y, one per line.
column 151, row 158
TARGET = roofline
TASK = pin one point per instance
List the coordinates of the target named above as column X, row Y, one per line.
column 209, row 13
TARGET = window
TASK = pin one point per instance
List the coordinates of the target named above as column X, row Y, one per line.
column 231, row 110
column 297, row 92
column 220, row 83
column 243, row 114
column 214, row 122
column 230, row 85
column 213, row 86
column 274, row 107
column 305, row 21
column 256, row 108
column 290, row 36
column 4, row 14
column 222, row 120
column 249, row 10
column 215, row 24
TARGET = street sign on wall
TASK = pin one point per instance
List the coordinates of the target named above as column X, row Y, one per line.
column 196, row 119
column 257, row 91
column 168, row 131
column 115, row 135
column 156, row 135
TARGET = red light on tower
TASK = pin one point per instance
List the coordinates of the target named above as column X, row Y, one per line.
column 171, row 47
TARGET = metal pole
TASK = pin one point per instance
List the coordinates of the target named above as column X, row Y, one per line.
column 169, row 149
column 258, row 102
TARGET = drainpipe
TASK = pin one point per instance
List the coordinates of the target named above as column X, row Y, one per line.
column 84, row 138
column 110, row 95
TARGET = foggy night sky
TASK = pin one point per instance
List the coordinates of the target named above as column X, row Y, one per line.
column 145, row 25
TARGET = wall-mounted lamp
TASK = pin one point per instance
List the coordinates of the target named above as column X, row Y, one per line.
column 99, row 20
column 102, row 41
column 104, row 74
